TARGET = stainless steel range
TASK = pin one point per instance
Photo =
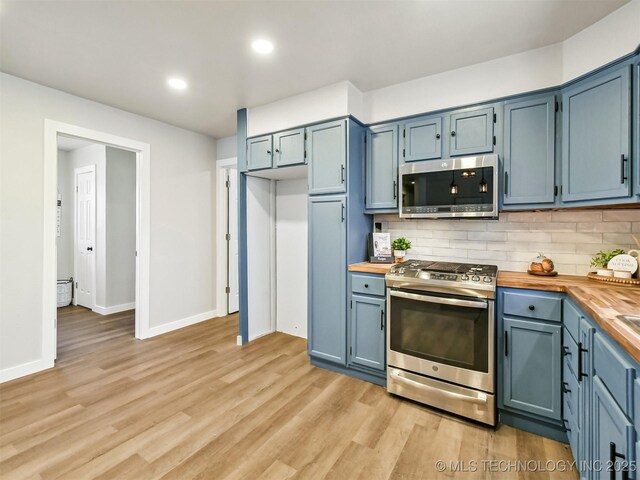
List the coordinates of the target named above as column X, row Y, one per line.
column 441, row 336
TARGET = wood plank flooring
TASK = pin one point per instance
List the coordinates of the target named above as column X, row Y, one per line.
column 192, row 404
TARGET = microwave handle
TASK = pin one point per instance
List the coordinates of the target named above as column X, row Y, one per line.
column 445, row 301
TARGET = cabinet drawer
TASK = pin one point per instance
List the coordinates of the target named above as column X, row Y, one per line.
column 533, row 306
column 570, row 353
column 570, row 391
column 614, row 371
column 368, row 284
column 571, row 318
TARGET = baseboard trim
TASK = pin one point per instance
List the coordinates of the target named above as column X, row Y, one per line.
column 114, row 309
column 177, row 324
column 28, row 368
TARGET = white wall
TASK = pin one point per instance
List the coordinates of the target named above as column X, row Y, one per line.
column 120, row 227
column 226, row 147
column 182, row 265
column 65, row 240
column 291, row 257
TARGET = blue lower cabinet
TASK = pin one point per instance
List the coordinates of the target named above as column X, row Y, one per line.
column 613, row 435
column 532, row 367
column 367, row 332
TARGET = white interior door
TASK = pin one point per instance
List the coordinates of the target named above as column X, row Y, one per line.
column 233, row 295
column 85, row 233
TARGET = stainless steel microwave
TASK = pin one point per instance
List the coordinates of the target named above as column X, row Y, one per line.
column 465, row 187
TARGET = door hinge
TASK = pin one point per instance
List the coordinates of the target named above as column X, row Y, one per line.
column 494, row 139
column 403, row 153
column 227, row 237
column 227, row 290
column 227, row 184
column 495, row 118
column 55, row 322
column 555, row 191
column 76, row 284
column 76, row 188
column 350, row 350
column 560, row 106
column 351, row 304
column 557, row 106
column 365, row 138
column 136, row 253
column 560, row 189
column 305, row 135
column 404, row 131
column 305, row 154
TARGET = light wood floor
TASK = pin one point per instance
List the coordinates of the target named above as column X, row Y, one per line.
column 192, row 404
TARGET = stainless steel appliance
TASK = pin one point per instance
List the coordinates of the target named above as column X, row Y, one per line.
column 441, row 336
column 452, row 188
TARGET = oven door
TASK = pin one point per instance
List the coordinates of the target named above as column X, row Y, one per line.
column 445, row 337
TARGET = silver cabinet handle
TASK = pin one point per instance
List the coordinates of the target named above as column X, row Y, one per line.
column 445, row 301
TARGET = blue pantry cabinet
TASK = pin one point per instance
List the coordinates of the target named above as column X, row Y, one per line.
column 422, row 139
column 529, row 151
column 259, row 152
column 327, row 157
column 381, row 167
column 327, row 278
column 288, row 148
column 596, row 143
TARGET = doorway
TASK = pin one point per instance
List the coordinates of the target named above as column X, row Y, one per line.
column 139, row 153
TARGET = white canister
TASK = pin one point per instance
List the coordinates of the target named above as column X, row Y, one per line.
column 605, row 272
column 622, row 274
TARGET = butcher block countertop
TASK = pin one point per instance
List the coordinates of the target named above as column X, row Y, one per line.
column 368, row 267
column 602, row 302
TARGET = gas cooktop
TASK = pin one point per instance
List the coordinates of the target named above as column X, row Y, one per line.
column 459, row 278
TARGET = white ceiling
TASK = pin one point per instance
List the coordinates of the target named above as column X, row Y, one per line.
column 121, row 53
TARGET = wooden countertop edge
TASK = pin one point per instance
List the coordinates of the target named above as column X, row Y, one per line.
column 368, row 267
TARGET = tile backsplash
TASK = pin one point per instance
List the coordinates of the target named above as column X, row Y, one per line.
column 569, row 238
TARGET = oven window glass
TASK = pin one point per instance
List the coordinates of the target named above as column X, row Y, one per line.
column 447, row 334
column 473, row 186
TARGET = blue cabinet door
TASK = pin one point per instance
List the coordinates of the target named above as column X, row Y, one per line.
column 367, row 331
column 636, row 135
column 529, row 145
column 596, row 138
column 532, row 367
column 288, row 148
column 327, row 153
column 382, row 167
column 259, row 152
column 422, row 139
column 327, row 278
column 612, row 432
column 587, row 332
column 471, row 131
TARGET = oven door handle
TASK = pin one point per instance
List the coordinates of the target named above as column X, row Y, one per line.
column 445, row 301
column 481, row 398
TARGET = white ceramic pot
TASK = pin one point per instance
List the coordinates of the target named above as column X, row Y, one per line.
column 399, row 255
column 605, row 272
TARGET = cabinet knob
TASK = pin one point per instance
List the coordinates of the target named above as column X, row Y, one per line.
column 437, row 135
column 532, row 307
column 366, row 285
column 277, row 151
column 453, row 133
column 269, row 152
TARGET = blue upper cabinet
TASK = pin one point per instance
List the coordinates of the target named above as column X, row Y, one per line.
column 327, row 155
column 596, row 132
column 288, row 148
column 532, row 367
column 636, row 136
column 529, row 151
column 259, row 152
column 471, row 131
column 382, row 167
column 422, row 139
column 327, row 278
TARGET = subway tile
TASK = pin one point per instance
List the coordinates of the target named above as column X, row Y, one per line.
column 453, row 252
column 552, row 227
column 433, row 242
column 422, row 233
column 529, row 217
column 631, row 215
column 452, row 234
column 470, row 244
column 506, row 227
column 487, row 255
column 635, row 227
column 529, row 236
column 583, row 269
column 549, row 248
column 572, row 258
column 565, row 269
column 491, row 236
column 618, row 238
column 616, row 227
column 522, row 256
column 419, row 252
column 469, row 225
column 592, row 248
column 561, row 237
column 572, row 216
column 512, row 266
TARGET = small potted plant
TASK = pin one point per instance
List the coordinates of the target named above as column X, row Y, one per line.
column 601, row 260
column 400, row 247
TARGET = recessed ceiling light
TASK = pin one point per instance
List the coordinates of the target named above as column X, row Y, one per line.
column 262, row 46
column 177, row 83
